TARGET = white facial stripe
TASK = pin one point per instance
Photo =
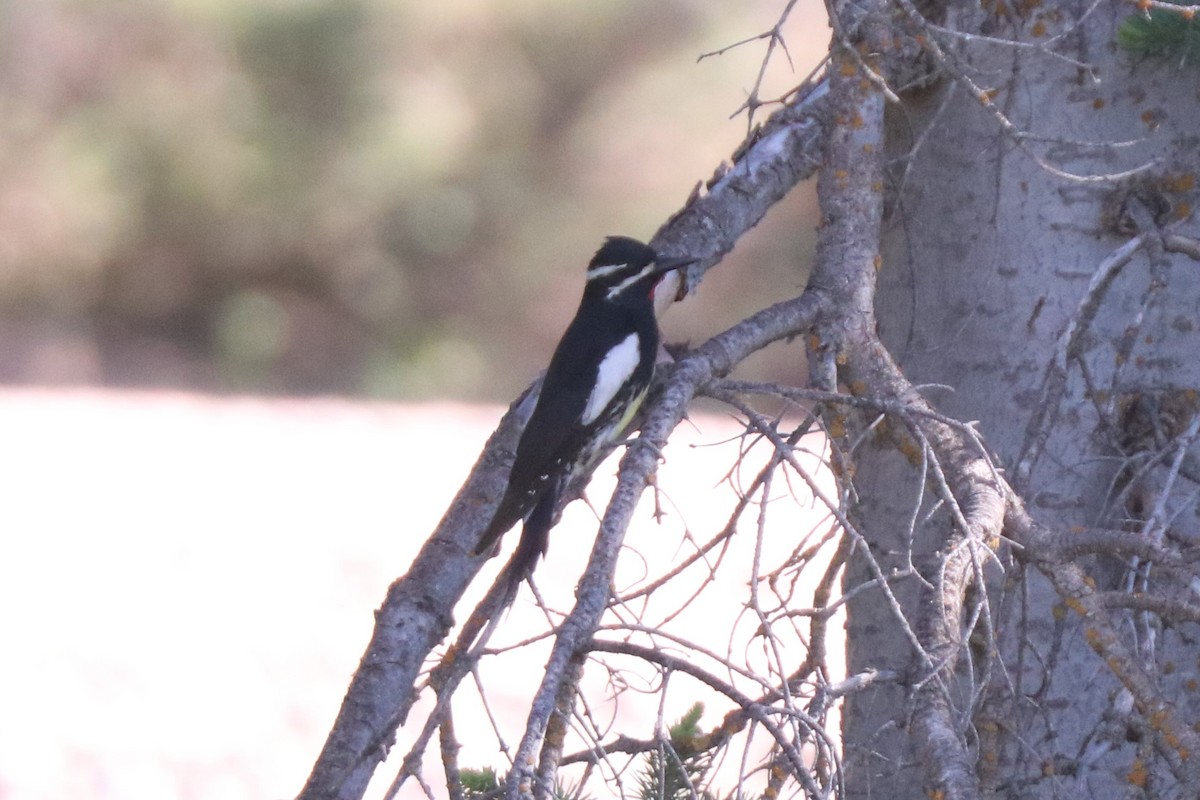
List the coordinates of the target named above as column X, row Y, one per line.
column 616, row 368
column 607, row 269
column 632, row 279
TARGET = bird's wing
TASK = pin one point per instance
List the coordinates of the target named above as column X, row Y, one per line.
column 583, row 380
column 545, row 446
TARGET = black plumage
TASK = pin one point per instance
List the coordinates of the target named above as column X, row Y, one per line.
column 594, row 385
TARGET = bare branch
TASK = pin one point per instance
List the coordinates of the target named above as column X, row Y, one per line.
column 1054, row 385
column 1175, row 740
column 713, row 359
column 774, row 38
column 415, row 615
column 753, row 710
column 984, row 98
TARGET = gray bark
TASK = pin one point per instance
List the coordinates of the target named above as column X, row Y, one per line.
column 1006, row 366
column 417, row 613
column 989, row 297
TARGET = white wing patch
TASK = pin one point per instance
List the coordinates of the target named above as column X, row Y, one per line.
column 615, row 370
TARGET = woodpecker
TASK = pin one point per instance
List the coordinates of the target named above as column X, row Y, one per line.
column 597, row 379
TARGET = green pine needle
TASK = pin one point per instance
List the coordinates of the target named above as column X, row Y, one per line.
column 688, row 726
column 1161, row 34
column 479, row 782
column 662, row 778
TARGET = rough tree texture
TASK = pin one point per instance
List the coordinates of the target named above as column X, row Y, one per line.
column 1006, row 366
column 416, row 615
column 987, row 259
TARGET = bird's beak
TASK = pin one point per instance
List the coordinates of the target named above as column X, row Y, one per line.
column 677, row 290
column 664, row 265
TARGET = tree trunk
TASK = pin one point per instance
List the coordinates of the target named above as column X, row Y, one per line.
column 1015, row 342
column 989, row 298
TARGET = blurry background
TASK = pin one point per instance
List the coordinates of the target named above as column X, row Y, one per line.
column 391, row 199
column 381, row 200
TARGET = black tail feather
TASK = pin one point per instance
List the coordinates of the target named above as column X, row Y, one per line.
column 506, row 516
column 535, row 534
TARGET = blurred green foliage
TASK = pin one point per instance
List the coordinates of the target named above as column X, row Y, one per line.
column 485, row 784
column 353, row 196
column 1161, row 33
column 679, row 774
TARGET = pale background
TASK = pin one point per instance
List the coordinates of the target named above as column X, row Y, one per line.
column 209, row 209
column 187, row 582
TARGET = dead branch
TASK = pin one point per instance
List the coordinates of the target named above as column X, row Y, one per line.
column 415, row 615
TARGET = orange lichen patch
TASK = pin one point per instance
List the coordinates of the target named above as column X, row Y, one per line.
column 1038, row 29
column 856, row 121
column 911, row 451
column 1138, row 775
column 1143, row 5
column 847, row 67
column 733, row 723
column 988, row 95
column 1075, row 605
column 1098, row 103
column 1059, row 611
column 1093, row 638
column 1188, row 14
column 878, row 262
column 1183, row 210
column 845, row 469
column 1181, row 182
column 836, row 426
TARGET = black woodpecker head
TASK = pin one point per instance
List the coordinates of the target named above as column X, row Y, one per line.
column 624, row 269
